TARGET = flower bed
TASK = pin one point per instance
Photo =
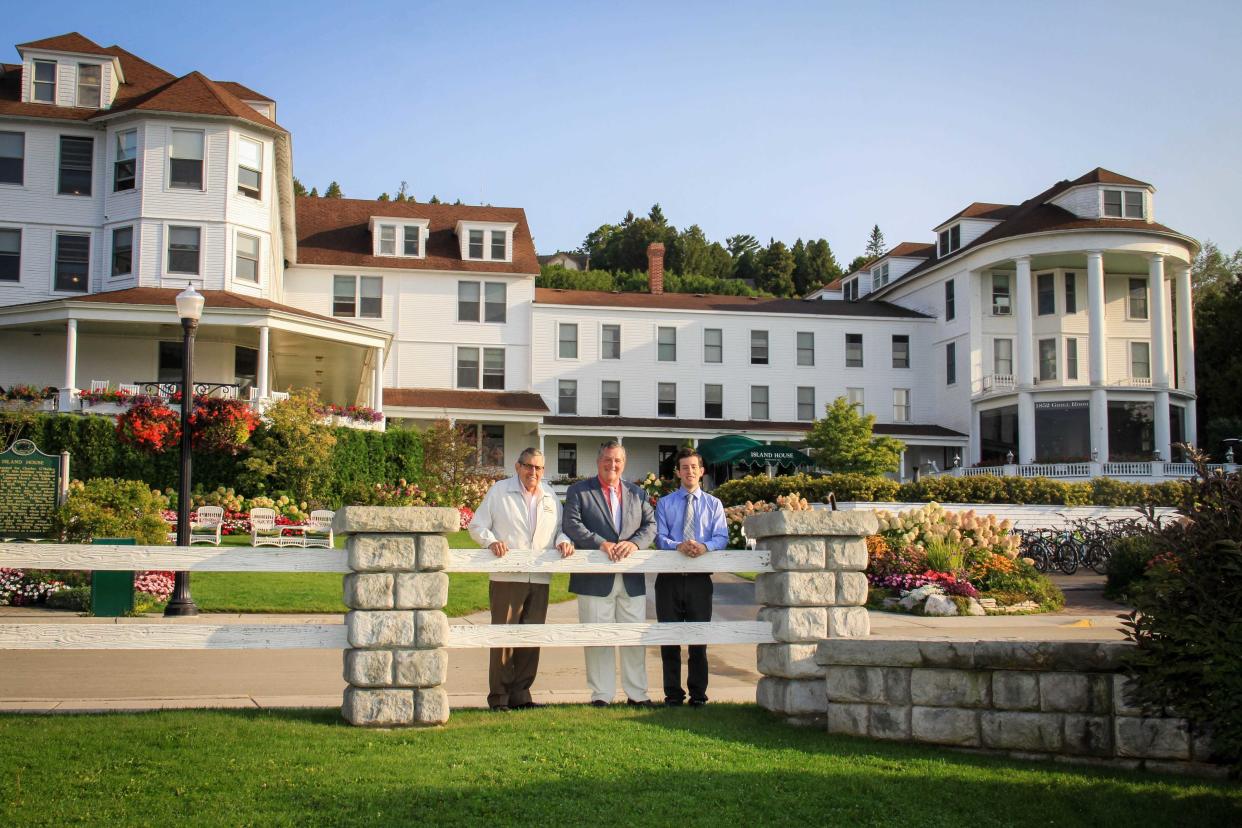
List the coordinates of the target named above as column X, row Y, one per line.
column 735, row 516
column 24, row 588
column 932, row 562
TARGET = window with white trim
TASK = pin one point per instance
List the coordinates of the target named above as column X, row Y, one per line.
column 567, row 397
column 498, row 245
column 10, row 254
column 901, row 405
column 125, row 167
column 77, row 157
column 12, row 157
column 713, row 345
column 879, row 276
column 475, row 244
column 611, row 342
column 1002, row 357
column 849, row 290
column 73, row 260
column 901, row 350
column 610, row 398
column 1000, row 294
column 713, row 402
column 666, row 399
column 567, row 459
column 493, row 368
column 666, row 344
column 1071, row 293
column 1136, row 299
column 950, row 363
column 1122, row 203
column 1047, row 360
column 494, row 304
column 246, row 258
column 1045, row 294
column 90, row 85
column 185, row 159
column 411, row 240
column 43, row 87
column 853, row 350
column 1071, row 358
column 806, row 403
column 184, row 247
column 122, row 251
column 950, row 302
column 806, row 347
column 388, row 239
column 358, row 296
column 567, row 340
column 1140, row 360
column 950, row 239
column 758, row 347
column 854, row 396
column 249, row 168
column 759, row 402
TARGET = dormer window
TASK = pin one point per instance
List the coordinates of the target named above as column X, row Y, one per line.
column 879, row 276
column 402, row 238
column 950, row 239
column 90, row 80
column 850, row 290
column 1122, row 204
column 485, row 241
column 43, row 89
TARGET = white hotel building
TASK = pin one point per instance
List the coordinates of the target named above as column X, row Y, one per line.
column 1057, row 329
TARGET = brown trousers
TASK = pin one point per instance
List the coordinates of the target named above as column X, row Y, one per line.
column 511, row 671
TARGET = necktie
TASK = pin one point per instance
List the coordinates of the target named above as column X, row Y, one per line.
column 687, row 524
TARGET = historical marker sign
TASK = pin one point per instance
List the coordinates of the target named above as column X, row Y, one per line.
column 29, row 484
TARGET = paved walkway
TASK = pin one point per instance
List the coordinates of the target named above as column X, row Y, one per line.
column 89, row 680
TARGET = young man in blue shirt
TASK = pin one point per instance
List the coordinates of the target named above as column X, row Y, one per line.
column 692, row 522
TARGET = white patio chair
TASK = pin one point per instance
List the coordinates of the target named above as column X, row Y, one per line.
column 318, row 531
column 205, row 525
column 279, row 396
column 128, row 388
column 99, row 385
column 252, row 393
column 263, row 528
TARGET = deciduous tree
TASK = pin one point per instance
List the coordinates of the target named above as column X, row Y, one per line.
column 843, row 442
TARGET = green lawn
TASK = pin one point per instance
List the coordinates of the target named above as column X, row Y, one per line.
column 725, row 765
column 321, row 591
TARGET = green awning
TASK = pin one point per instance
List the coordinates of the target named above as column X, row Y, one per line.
column 737, row 448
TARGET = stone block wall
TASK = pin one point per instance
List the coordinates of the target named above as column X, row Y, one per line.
column 396, row 664
column 1064, row 700
column 817, row 591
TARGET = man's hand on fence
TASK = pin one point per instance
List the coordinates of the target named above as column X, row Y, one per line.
column 622, row 550
column 498, row 548
column 566, row 549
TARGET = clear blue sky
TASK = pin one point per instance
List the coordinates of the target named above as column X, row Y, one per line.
column 777, row 119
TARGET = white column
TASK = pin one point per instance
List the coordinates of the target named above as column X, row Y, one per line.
column 377, row 380
column 1022, row 309
column 1163, row 440
column 69, row 389
column 1185, row 333
column 901, row 467
column 1159, row 320
column 265, row 380
column 539, row 435
column 1099, row 424
column 1192, row 427
column 1095, row 316
column 1026, row 427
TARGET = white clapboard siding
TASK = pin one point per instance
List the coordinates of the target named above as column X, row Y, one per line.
column 176, row 558
column 174, row 636
column 592, row 560
column 1022, row 516
column 609, row 635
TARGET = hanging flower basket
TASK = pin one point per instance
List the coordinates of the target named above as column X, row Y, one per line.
column 149, row 426
column 222, row 425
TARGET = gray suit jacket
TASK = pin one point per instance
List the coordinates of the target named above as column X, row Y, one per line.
column 588, row 523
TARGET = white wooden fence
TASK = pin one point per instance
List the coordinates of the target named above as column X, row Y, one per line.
column 197, row 633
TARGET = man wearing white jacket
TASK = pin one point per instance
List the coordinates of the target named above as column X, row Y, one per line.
column 519, row 512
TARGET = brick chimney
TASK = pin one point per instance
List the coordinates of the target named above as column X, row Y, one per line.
column 655, row 268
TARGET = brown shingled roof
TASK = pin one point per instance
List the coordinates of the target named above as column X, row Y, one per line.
column 336, row 231
column 214, row 299
column 1102, row 176
column 911, row 250
column 737, row 304
column 196, row 94
column 905, row 429
column 245, row 93
column 982, row 210
column 71, row 42
column 453, row 398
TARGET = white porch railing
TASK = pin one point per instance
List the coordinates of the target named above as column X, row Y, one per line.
column 1156, row 470
column 996, row 384
column 1134, row 382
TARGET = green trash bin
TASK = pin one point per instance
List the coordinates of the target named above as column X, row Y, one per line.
column 112, row 593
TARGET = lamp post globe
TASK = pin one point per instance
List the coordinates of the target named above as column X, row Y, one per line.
column 190, row 309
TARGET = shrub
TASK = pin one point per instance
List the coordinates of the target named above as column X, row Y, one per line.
column 1127, row 562
column 1023, row 583
column 943, row 556
column 290, row 449
column 814, row 488
column 932, row 524
column 72, row 598
column 152, row 427
column 109, row 508
column 1187, row 622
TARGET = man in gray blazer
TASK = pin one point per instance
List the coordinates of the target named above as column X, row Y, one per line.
column 614, row 516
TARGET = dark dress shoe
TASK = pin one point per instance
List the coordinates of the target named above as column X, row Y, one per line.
column 530, row 705
column 501, row 708
column 698, row 702
column 598, row 703
column 673, row 702
column 645, row 703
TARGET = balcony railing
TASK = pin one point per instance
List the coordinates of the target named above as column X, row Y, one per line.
column 1084, row 471
column 996, row 384
column 1134, row 382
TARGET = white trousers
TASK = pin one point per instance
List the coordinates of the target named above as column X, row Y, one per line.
column 601, row 662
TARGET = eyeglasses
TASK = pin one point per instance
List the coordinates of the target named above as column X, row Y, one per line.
column 530, row 467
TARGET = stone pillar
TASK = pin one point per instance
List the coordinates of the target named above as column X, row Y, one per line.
column 396, row 665
column 817, row 590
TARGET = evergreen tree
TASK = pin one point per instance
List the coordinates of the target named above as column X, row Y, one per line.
column 741, row 243
column 383, row 197
column 822, row 265
column 333, row 191
column 434, row 200
column 801, row 272
column 314, row 193
column 776, row 267
column 746, row 266
column 875, row 244
column 859, row 262
column 656, row 216
column 843, row 442
column 298, row 188
column 1212, row 271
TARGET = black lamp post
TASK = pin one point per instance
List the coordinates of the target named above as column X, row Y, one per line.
column 189, row 308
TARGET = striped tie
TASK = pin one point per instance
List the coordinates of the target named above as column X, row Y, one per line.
column 687, row 525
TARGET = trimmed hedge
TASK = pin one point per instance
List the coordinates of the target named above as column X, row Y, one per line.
column 359, row 458
column 1016, row 490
